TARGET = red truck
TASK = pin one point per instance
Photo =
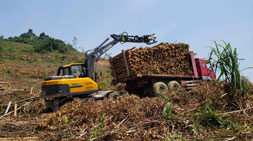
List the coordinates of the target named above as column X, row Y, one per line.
column 146, row 84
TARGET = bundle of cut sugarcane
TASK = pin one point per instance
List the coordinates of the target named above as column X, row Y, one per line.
column 164, row 58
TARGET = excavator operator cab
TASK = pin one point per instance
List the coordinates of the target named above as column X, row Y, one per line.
column 75, row 69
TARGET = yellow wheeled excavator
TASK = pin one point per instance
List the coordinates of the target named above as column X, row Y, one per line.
column 80, row 79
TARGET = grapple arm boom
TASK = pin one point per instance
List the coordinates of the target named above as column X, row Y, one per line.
column 96, row 53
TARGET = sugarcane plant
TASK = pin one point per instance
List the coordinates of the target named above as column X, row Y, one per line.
column 226, row 63
column 166, row 114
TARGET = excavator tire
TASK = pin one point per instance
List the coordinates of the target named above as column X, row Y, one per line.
column 52, row 105
column 49, row 105
column 173, row 85
column 160, row 88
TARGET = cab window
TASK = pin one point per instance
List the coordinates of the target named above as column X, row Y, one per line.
column 203, row 64
column 63, row 71
column 66, row 71
column 78, row 70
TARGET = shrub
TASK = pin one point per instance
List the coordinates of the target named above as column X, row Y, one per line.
column 208, row 117
column 49, row 44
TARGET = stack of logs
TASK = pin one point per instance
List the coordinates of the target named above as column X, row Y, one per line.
column 164, row 58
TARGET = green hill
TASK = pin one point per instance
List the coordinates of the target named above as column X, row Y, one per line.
column 21, row 52
column 28, row 47
column 21, row 61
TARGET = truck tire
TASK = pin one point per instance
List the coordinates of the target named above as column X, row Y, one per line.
column 173, row 84
column 160, row 88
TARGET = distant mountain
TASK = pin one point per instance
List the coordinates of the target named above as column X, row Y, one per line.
column 42, row 43
column 30, row 48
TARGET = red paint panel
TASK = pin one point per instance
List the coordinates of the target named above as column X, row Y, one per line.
column 204, row 70
column 195, row 71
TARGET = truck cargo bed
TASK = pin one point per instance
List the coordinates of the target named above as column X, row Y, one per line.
column 164, row 60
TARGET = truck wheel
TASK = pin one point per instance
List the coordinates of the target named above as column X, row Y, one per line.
column 160, row 88
column 173, row 84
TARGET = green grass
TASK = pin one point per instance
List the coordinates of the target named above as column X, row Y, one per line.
column 166, row 114
column 105, row 78
column 226, row 62
column 12, row 48
column 65, row 120
column 20, row 52
column 208, row 116
column 8, row 70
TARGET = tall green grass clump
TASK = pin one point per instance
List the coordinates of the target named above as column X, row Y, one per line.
column 226, row 62
column 166, row 114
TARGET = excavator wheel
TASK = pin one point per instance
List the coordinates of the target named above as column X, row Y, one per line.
column 49, row 105
column 52, row 105
column 173, row 85
column 160, row 88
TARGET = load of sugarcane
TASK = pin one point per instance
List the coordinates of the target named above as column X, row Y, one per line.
column 164, row 58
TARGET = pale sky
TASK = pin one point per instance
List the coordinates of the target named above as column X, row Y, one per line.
column 196, row 22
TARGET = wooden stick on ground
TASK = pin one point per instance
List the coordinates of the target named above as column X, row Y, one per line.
column 31, row 91
column 25, row 99
column 10, row 112
column 122, row 121
column 83, row 131
column 8, row 107
column 15, row 109
column 3, row 82
column 238, row 111
column 20, row 139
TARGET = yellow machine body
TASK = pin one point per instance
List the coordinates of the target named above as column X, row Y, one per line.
column 68, row 85
column 75, row 84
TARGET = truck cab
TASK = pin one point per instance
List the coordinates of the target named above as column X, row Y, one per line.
column 205, row 70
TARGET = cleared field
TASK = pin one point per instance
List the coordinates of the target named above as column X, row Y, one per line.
column 205, row 112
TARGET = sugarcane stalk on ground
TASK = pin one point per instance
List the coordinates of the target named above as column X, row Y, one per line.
column 164, row 58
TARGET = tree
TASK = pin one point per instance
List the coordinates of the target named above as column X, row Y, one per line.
column 43, row 36
column 1, row 47
column 44, row 43
column 30, row 31
column 74, row 42
column 1, row 50
column 28, row 34
column 74, row 45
